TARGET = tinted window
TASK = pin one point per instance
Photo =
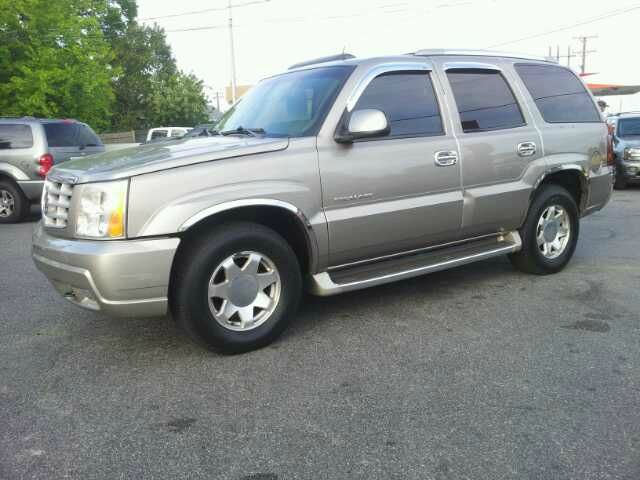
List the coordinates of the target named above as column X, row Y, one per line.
column 484, row 100
column 158, row 134
column 629, row 127
column 69, row 134
column 408, row 100
column 558, row 93
column 15, row 136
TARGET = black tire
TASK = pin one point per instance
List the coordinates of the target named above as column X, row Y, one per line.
column 20, row 206
column 530, row 259
column 195, row 265
column 620, row 182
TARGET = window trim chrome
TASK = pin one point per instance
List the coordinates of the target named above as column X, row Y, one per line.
column 377, row 70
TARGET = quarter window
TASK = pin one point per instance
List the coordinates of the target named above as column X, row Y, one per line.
column 409, row 102
column 15, row 136
column 559, row 95
column 484, row 100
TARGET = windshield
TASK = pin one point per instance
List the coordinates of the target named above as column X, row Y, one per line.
column 629, row 127
column 289, row 105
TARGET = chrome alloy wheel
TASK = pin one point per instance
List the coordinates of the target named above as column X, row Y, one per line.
column 7, row 203
column 244, row 291
column 553, row 231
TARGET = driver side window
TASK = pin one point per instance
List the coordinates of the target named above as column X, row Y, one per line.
column 409, row 102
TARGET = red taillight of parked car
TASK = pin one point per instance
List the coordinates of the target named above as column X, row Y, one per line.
column 46, row 162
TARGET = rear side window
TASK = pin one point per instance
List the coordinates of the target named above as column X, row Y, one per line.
column 15, row 136
column 70, row 135
column 484, row 99
column 558, row 93
column 408, row 100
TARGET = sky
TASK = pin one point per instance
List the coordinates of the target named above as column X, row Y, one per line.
column 273, row 34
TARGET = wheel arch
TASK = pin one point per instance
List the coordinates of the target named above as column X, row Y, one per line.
column 282, row 217
column 571, row 177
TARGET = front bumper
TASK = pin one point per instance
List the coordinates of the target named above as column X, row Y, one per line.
column 124, row 278
column 630, row 170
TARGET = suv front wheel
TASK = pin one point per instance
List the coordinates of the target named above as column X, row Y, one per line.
column 236, row 288
column 550, row 232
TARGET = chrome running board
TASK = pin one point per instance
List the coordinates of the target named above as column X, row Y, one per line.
column 387, row 271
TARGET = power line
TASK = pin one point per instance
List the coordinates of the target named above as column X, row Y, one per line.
column 602, row 16
column 206, row 10
column 195, row 29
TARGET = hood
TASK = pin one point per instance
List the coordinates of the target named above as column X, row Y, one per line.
column 161, row 156
column 630, row 141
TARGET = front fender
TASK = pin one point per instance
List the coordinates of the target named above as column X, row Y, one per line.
column 170, row 201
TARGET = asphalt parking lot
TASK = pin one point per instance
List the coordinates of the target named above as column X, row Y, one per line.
column 476, row 373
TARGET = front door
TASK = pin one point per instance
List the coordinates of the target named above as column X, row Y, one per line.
column 390, row 195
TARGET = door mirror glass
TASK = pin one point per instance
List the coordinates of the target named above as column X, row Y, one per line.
column 366, row 123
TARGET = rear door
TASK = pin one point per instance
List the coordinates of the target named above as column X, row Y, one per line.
column 70, row 139
column 498, row 141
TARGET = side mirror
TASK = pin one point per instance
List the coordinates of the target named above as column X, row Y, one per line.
column 367, row 123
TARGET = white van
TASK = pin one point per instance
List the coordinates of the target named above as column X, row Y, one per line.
column 167, row 132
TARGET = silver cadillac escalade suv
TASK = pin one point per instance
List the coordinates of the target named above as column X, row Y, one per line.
column 339, row 174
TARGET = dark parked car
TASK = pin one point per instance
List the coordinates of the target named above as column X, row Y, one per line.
column 29, row 147
column 626, row 144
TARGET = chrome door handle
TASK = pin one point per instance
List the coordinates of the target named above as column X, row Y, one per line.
column 446, row 158
column 526, row 149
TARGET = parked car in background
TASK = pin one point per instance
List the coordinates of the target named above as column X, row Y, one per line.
column 29, row 147
column 341, row 173
column 626, row 146
column 162, row 133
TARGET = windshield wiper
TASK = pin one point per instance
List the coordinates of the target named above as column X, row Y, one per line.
column 251, row 132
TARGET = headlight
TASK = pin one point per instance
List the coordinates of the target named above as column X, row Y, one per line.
column 632, row 153
column 101, row 210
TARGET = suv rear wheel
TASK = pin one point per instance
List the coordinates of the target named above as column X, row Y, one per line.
column 550, row 232
column 13, row 204
column 237, row 288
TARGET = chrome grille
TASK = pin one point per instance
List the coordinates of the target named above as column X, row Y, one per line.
column 56, row 200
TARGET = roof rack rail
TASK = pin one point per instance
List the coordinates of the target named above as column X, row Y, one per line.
column 330, row 58
column 484, row 53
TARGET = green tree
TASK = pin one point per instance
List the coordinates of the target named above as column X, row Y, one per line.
column 91, row 60
column 178, row 101
column 55, row 61
column 144, row 60
column 148, row 87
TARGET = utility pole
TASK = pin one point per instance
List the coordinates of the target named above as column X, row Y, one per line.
column 234, row 93
column 233, row 55
column 584, row 39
